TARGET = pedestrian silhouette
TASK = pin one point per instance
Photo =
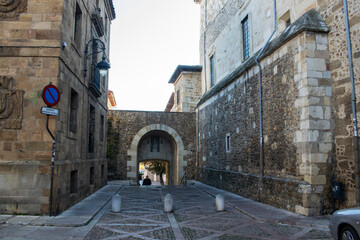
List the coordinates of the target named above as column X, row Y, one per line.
column 147, row 181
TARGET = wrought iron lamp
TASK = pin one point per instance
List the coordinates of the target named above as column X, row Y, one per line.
column 97, row 46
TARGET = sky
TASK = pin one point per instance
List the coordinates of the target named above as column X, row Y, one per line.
column 149, row 39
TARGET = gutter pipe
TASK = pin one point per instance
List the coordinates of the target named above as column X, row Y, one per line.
column 205, row 28
column 353, row 100
column 204, row 69
column 261, row 175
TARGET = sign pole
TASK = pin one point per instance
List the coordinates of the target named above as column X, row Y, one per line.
column 51, row 97
column 52, row 165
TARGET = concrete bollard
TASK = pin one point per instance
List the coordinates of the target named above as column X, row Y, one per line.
column 116, row 203
column 220, row 202
column 168, row 203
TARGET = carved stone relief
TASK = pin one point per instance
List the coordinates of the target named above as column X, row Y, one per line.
column 11, row 104
column 10, row 9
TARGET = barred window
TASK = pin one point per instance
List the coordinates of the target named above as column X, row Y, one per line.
column 245, row 35
column 77, row 24
column 227, row 142
column 101, row 129
column 212, row 71
column 73, row 110
column 91, row 123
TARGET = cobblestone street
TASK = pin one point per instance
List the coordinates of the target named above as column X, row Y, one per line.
column 142, row 216
column 194, row 217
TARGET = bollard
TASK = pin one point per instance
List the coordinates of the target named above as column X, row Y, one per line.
column 220, row 203
column 116, row 203
column 168, row 203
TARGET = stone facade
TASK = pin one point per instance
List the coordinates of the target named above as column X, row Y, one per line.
column 187, row 90
column 306, row 101
column 129, row 140
column 43, row 42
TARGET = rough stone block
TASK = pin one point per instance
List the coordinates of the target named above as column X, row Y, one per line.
column 320, row 179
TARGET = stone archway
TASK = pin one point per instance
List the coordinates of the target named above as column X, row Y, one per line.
column 178, row 161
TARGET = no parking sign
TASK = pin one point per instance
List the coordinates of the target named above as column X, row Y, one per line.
column 51, row 95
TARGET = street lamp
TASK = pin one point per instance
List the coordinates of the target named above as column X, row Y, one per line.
column 97, row 46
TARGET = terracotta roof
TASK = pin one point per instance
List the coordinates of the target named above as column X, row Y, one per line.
column 111, row 98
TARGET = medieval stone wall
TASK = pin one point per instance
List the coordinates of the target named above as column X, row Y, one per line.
column 309, row 138
column 125, row 125
column 234, row 112
column 333, row 14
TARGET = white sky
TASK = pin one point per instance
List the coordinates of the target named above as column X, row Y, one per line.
column 149, row 38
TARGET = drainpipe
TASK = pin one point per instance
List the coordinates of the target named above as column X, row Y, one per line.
column 198, row 140
column 353, row 100
column 204, row 69
column 205, row 28
column 261, row 175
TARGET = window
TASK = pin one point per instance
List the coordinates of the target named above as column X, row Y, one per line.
column 73, row 181
column 73, row 110
column 106, row 25
column 287, row 23
column 178, row 97
column 77, row 24
column 227, row 142
column 245, row 36
column 102, row 128
column 92, row 176
column 102, row 171
column 212, row 71
column 155, row 144
column 284, row 21
column 91, row 129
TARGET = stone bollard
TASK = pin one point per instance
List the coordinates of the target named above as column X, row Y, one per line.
column 220, row 202
column 168, row 203
column 116, row 203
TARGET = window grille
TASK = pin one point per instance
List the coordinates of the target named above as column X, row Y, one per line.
column 245, row 35
column 212, row 71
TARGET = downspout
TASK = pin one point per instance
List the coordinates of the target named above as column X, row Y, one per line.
column 204, row 69
column 353, row 100
column 198, row 139
column 205, row 28
column 261, row 162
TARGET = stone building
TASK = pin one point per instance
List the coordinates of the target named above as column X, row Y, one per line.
column 43, row 42
column 187, row 90
column 137, row 136
column 287, row 153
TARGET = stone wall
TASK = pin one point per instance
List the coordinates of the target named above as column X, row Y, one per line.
column 223, row 30
column 125, row 127
column 308, row 137
column 36, row 48
column 29, row 50
column 343, row 156
column 296, row 119
column 188, row 86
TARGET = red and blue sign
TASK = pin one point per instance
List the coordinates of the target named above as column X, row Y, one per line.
column 51, row 95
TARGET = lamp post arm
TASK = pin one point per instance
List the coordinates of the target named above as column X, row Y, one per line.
column 97, row 46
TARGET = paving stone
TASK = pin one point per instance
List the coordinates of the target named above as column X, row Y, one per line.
column 194, row 217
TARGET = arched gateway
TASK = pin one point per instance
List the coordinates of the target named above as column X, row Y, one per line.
column 158, row 142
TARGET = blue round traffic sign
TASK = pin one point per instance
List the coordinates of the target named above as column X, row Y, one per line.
column 51, row 95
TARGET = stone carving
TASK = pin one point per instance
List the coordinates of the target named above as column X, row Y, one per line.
column 10, row 9
column 11, row 104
